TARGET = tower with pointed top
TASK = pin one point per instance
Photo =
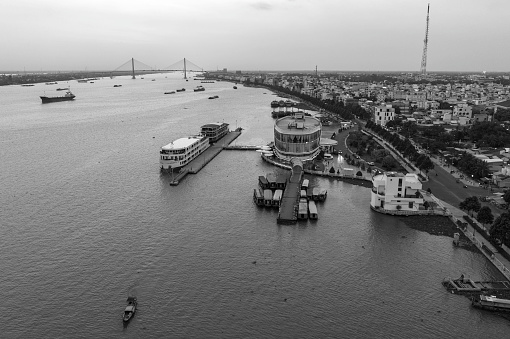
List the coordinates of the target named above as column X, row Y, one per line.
column 423, row 69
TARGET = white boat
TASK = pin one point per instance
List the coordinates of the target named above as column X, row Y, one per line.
column 491, row 303
column 182, row 151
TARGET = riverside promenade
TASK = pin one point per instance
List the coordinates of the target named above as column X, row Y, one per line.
column 477, row 238
column 203, row 159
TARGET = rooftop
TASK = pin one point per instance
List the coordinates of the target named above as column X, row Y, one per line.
column 297, row 124
column 182, row 143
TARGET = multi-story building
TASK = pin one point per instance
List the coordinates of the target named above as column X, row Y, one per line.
column 297, row 136
column 463, row 110
column 394, row 191
column 383, row 114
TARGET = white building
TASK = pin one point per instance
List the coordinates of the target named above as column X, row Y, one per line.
column 391, row 190
column 463, row 110
column 383, row 114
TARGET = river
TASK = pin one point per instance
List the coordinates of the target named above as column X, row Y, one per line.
column 87, row 219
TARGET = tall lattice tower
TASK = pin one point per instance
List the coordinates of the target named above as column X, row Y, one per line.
column 423, row 69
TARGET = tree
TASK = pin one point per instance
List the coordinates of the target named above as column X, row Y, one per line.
column 332, row 170
column 506, row 197
column 409, row 129
column 359, row 174
column 500, row 230
column 485, row 215
column 388, row 162
column 470, row 204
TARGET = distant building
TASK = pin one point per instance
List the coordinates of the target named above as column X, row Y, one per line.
column 392, row 189
column 463, row 110
column 383, row 114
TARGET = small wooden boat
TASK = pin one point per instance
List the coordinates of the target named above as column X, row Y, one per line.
column 130, row 310
column 172, row 92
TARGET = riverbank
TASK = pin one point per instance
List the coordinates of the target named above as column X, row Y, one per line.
column 22, row 78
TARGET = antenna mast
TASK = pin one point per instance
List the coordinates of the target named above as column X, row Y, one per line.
column 423, row 69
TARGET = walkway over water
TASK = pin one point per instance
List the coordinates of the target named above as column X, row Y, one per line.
column 203, row 159
column 289, row 204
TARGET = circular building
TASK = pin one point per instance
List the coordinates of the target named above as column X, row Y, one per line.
column 297, row 136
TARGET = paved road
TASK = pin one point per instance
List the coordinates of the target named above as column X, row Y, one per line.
column 445, row 187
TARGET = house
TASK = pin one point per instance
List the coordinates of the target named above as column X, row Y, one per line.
column 463, row 110
column 392, row 191
column 383, row 114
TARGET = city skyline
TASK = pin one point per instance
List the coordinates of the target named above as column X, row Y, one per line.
column 285, row 35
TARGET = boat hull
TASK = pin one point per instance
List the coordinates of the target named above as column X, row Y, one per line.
column 46, row 100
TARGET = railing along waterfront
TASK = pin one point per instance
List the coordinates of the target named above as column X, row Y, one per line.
column 407, row 213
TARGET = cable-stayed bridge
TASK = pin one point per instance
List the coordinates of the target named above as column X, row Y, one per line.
column 134, row 67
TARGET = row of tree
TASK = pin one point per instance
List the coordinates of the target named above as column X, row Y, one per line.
column 348, row 112
column 403, row 145
column 471, row 165
column 499, row 232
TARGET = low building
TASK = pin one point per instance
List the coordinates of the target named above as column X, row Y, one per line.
column 394, row 191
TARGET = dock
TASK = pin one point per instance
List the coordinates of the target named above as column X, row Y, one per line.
column 241, row 148
column 288, row 213
column 203, row 159
column 465, row 285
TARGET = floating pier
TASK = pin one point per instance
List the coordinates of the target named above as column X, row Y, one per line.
column 288, row 213
column 465, row 285
column 203, row 159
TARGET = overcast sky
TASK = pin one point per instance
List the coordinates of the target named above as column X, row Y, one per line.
column 365, row 35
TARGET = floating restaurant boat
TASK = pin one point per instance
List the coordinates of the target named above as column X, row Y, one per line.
column 268, row 198
column 182, row 151
column 130, row 310
column 303, row 209
column 258, row 198
column 312, row 210
column 491, row 303
column 66, row 97
column 271, row 179
column 304, row 184
column 263, row 183
column 277, row 198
